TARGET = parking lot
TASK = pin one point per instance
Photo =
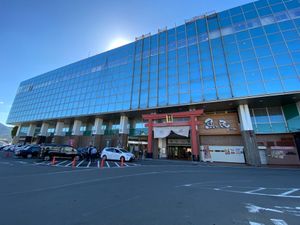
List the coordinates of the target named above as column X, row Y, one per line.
column 63, row 162
column 146, row 192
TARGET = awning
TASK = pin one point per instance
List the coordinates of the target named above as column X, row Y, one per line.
column 162, row 132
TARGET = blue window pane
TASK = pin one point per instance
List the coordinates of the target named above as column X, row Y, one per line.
column 290, row 35
column 260, row 41
column 261, row 4
column 256, row 88
column 278, row 8
column 266, row 62
column 235, row 11
column 296, row 57
column 248, row 54
column 294, row 45
column 270, row 74
column 273, row 86
column 263, row 51
column 286, row 25
column 287, row 71
column 240, row 90
column 279, row 48
column 283, row 59
column 274, row 38
column 270, row 29
column 256, row 32
column 248, row 7
column 224, row 92
column 250, row 65
column 261, row 115
column 246, row 44
column 264, row 11
column 253, row 76
column 251, row 15
column 291, row 84
column 184, row 98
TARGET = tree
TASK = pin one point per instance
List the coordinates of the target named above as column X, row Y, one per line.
column 14, row 131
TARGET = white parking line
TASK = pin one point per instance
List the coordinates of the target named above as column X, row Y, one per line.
column 80, row 163
column 88, row 165
column 68, row 164
column 98, row 163
column 289, row 192
column 107, row 164
column 125, row 164
column 254, row 223
column 278, row 222
column 117, row 164
column 255, row 190
column 61, row 162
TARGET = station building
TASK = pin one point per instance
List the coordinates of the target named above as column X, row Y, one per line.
column 220, row 87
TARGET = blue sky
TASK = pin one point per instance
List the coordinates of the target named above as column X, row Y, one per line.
column 38, row 36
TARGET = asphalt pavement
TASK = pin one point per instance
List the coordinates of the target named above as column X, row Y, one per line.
column 149, row 192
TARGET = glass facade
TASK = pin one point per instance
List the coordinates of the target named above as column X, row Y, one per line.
column 251, row 50
column 268, row 120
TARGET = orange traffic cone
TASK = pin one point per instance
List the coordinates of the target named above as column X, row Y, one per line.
column 102, row 163
column 122, row 161
column 53, row 160
column 74, row 163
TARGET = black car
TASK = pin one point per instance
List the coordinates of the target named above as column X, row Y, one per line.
column 59, row 151
column 29, row 151
column 84, row 153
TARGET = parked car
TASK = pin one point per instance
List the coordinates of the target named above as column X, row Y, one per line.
column 2, row 147
column 84, row 153
column 29, row 151
column 11, row 148
column 60, row 151
column 112, row 153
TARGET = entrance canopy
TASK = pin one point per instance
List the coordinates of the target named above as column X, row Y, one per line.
column 162, row 132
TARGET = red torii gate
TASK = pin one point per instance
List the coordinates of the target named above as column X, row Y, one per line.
column 169, row 117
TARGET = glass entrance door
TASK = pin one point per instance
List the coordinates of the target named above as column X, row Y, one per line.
column 179, row 152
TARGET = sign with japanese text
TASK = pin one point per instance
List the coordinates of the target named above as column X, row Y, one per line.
column 219, row 124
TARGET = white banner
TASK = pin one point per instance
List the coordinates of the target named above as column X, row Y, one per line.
column 162, row 132
column 182, row 131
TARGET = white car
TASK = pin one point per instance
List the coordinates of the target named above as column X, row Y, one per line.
column 112, row 153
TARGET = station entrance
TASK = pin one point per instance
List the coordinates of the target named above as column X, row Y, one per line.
column 163, row 127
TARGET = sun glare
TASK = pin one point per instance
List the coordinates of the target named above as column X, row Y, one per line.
column 117, row 43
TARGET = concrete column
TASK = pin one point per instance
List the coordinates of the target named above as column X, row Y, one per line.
column 31, row 130
column 59, row 129
column 76, row 127
column 248, row 135
column 44, row 129
column 162, row 145
column 123, row 132
column 124, row 125
column 19, row 129
column 98, row 127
